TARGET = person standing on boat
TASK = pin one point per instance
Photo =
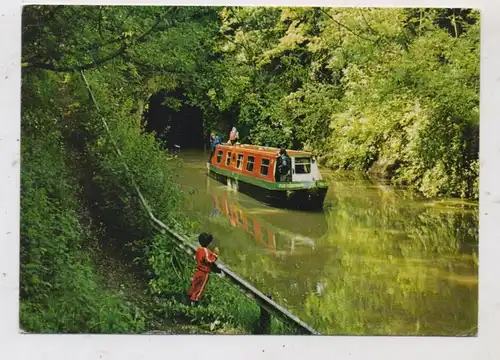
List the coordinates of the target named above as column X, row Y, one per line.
column 234, row 136
column 284, row 166
column 214, row 141
column 204, row 260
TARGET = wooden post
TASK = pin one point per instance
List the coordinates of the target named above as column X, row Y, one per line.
column 264, row 320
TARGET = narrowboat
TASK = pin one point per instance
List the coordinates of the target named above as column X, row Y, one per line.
column 253, row 170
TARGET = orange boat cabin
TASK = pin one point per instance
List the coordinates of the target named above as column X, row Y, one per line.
column 253, row 170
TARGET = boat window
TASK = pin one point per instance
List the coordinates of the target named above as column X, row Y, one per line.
column 228, row 158
column 250, row 161
column 239, row 162
column 264, row 167
column 302, row 165
column 219, row 156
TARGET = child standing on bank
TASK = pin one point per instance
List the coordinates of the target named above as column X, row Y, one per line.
column 204, row 260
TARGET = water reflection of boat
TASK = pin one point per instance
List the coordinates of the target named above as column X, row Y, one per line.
column 311, row 224
column 270, row 236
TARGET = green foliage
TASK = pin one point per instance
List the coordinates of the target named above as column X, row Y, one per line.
column 60, row 291
column 393, row 91
column 390, row 91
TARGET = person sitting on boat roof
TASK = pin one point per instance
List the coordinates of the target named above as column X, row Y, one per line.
column 284, row 166
column 214, row 141
column 234, row 136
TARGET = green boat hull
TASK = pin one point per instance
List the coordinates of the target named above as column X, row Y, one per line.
column 293, row 195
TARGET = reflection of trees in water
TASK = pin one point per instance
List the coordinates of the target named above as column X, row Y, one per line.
column 311, row 224
column 397, row 268
column 289, row 278
column 388, row 264
column 367, row 297
column 392, row 218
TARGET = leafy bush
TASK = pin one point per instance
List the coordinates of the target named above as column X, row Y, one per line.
column 60, row 291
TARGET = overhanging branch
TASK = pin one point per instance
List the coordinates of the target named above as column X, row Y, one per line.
column 91, row 65
column 98, row 62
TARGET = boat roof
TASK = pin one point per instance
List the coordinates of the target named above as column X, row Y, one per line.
column 265, row 150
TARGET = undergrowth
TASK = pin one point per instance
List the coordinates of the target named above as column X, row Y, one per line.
column 79, row 206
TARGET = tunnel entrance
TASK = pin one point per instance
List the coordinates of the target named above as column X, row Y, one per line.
column 174, row 121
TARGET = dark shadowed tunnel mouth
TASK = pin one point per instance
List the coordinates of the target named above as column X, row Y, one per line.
column 174, row 121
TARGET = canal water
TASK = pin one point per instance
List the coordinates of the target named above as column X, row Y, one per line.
column 378, row 260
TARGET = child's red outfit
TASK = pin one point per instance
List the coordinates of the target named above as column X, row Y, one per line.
column 204, row 259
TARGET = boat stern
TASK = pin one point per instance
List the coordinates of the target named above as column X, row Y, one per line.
column 310, row 195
